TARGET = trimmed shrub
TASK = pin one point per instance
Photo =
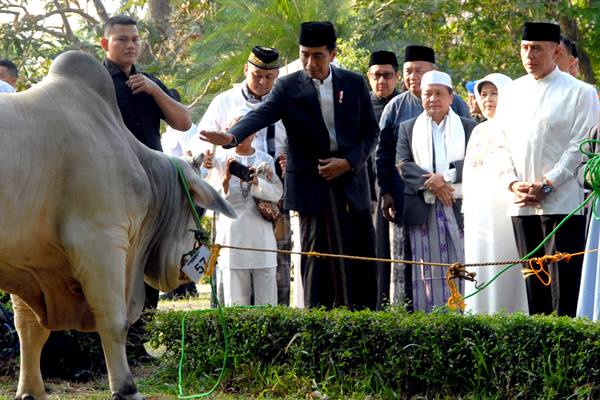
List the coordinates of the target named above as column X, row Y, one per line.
column 389, row 354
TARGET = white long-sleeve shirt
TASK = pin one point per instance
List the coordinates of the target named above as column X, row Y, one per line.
column 541, row 124
column 231, row 104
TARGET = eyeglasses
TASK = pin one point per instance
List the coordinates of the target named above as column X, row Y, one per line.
column 386, row 75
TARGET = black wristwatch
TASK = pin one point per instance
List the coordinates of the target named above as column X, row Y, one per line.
column 547, row 189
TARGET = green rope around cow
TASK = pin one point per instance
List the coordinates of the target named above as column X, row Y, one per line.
column 186, row 189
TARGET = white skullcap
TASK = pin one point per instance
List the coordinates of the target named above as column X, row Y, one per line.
column 436, row 78
column 6, row 88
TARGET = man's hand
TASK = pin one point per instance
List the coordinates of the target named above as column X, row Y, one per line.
column 217, row 138
column 388, row 207
column 434, row 182
column 141, row 83
column 522, row 196
column 445, row 195
column 443, row 192
column 535, row 189
column 331, row 168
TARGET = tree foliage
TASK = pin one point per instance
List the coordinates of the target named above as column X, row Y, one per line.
column 200, row 46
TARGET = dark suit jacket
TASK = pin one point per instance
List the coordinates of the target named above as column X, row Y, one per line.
column 415, row 210
column 294, row 100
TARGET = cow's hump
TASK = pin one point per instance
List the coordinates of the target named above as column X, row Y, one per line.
column 82, row 68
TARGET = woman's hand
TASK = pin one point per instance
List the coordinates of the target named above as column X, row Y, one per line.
column 227, row 175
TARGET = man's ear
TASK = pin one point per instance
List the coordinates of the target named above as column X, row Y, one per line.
column 333, row 54
column 104, row 43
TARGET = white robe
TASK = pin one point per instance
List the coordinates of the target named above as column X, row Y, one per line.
column 488, row 229
column 542, row 123
column 250, row 229
column 224, row 108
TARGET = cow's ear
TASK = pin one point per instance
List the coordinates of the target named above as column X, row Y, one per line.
column 205, row 195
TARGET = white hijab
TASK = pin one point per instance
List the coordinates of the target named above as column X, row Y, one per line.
column 496, row 79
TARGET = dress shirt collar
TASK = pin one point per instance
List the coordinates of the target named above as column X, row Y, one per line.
column 326, row 81
column 548, row 78
column 114, row 69
column 248, row 94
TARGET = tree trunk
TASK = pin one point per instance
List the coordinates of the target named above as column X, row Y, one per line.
column 101, row 10
column 160, row 11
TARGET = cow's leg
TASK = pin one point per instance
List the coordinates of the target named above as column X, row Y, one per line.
column 32, row 337
column 103, row 284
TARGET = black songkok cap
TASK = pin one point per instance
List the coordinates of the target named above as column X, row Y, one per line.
column 382, row 58
column 264, row 57
column 419, row 53
column 542, row 31
column 317, row 34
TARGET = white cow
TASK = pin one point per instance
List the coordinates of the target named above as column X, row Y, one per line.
column 87, row 214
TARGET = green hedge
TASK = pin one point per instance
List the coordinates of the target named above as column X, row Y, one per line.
column 288, row 352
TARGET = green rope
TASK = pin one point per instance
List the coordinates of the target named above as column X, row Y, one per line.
column 592, row 178
column 182, row 358
column 186, row 189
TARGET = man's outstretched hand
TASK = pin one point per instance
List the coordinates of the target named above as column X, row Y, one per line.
column 217, row 138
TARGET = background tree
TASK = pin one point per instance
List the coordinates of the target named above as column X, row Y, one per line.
column 200, row 46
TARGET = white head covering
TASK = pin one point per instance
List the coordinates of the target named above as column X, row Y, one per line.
column 496, row 79
column 436, row 78
column 6, row 88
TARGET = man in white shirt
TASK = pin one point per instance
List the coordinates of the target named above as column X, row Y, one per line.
column 261, row 70
column 542, row 117
column 9, row 72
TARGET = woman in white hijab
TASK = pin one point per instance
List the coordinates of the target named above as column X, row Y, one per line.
column 488, row 230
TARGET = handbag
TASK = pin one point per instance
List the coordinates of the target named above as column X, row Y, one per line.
column 269, row 210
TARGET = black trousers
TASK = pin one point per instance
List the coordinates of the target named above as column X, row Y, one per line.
column 338, row 229
column 561, row 296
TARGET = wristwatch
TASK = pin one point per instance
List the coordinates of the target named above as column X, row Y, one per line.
column 547, row 189
column 446, row 177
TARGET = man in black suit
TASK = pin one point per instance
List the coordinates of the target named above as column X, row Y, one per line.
column 332, row 130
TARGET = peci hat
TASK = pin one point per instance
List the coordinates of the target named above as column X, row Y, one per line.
column 317, row 34
column 419, row 53
column 542, row 31
column 383, row 57
column 470, row 86
column 264, row 57
column 436, row 78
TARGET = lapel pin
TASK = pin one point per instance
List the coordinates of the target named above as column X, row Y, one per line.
column 340, row 96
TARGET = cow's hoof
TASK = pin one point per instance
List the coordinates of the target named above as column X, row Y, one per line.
column 25, row 397
column 132, row 396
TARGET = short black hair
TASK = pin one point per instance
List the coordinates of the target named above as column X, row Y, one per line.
column 118, row 20
column 10, row 67
column 568, row 43
column 331, row 47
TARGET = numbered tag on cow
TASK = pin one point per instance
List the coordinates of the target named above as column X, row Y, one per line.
column 197, row 265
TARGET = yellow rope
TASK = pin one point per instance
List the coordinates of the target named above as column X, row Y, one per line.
column 456, row 271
